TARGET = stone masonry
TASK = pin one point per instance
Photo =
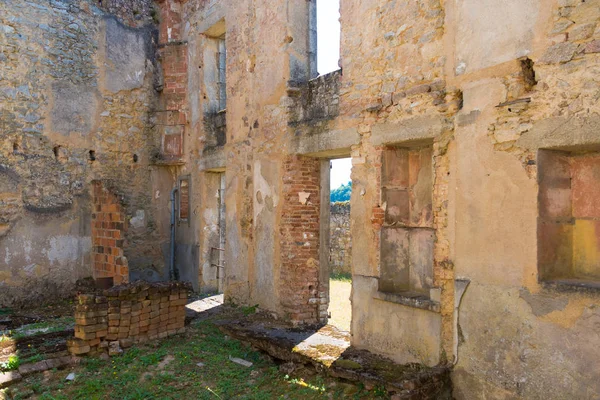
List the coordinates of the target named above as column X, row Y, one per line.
column 76, row 95
column 478, row 250
column 128, row 314
column 340, row 253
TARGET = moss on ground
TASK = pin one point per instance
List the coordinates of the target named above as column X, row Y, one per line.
column 168, row 369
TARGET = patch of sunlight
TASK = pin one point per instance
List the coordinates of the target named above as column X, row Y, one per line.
column 303, row 383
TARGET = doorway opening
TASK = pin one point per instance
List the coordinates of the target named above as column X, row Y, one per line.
column 340, row 244
column 214, row 265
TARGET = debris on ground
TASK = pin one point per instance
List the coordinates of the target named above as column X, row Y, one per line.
column 240, row 361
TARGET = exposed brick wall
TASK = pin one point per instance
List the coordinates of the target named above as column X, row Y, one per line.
column 173, row 56
column 304, row 298
column 128, row 314
column 170, row 20
column 108, row 235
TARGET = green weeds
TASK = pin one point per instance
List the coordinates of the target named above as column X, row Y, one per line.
column 168, row 370
column 341, row 276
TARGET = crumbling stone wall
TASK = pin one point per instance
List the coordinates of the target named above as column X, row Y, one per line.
column 486, row 84
column 340, row 253
column 75, row 95
column 128, row 314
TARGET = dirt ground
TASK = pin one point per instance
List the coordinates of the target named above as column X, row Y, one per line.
column 339, row 303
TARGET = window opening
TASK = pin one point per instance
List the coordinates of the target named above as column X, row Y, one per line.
column 184, row 199
column 328, row 36
column 221, row 74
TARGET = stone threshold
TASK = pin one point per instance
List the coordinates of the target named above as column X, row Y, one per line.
column 328, row 350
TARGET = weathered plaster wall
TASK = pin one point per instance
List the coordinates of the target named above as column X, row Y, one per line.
column 250, row 151
column 447, row 74
column 394, row 92
column 75, row 90
column 519, row 338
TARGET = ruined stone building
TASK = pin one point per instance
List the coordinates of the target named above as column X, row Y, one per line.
column 474, row 132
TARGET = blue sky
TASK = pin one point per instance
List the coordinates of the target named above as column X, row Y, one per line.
column 328, row 35
column 328, row 54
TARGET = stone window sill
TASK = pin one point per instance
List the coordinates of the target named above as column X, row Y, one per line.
column 410, row 300
column 169, row 162
column 573, row 285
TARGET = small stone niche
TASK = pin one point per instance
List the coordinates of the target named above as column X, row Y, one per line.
column 407, row 235
column 569, row 217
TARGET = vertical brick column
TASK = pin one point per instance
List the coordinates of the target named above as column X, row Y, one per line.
column 173, row 55
column 108, row 234
column 304, row 299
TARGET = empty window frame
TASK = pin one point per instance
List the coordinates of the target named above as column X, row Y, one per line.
column 569, row 217
column 184, row 199
column 407, row 235
column 221, row 72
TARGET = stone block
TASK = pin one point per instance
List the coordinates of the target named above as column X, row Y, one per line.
column 85, row 335
column 593, row 47
column 86, row 299
column 78, row 347
column 101, row 334
column 114, row 348
column 559, row 53
column 85, row 321
column 8, row 378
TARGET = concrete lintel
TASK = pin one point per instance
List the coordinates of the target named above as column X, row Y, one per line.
column 213, row 25
column 213, row 160
column 330, row 144
column 414, row 129
column 562, row 133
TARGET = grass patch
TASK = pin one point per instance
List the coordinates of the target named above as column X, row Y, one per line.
column 341, row 276
column 11, row 364
column 168, row 370
column 48, row 326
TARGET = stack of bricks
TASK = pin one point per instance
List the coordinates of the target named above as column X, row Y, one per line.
column 108, row 234
column 304, row 298
column 128, row 314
